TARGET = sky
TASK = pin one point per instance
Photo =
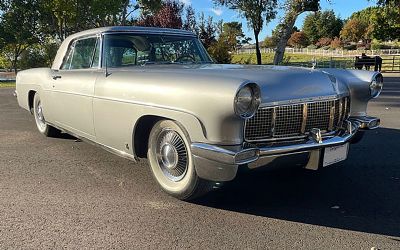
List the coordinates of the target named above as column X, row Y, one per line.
column 342, row 8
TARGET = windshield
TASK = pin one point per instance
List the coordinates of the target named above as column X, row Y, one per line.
column 125, row 50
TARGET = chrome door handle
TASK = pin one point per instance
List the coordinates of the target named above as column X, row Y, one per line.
column 55, row 77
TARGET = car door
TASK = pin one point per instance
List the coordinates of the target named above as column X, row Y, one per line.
column 73, row 87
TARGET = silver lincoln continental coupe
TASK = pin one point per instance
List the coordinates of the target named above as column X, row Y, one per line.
column 156, row 94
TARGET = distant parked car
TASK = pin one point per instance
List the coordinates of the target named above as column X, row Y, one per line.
column 155, row 93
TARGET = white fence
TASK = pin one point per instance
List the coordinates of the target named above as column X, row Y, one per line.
column 322, row 52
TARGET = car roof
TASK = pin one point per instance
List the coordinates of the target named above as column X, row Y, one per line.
column 113, row 29
column 136, row 29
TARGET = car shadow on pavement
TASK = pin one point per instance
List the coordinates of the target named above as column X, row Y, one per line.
column 360, row 194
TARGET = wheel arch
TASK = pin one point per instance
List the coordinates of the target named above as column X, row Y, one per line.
column 142, row 128
column 31, row 96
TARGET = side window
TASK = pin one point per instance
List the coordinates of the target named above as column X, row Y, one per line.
column 96, row 56
column 67, row 60
column 120, row 52
column 81, row 54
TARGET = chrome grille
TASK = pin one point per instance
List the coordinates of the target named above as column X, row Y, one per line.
column 288, row 121
column 318, row 115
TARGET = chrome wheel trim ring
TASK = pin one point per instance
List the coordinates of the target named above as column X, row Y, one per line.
column 172, row 155
column 39, row 116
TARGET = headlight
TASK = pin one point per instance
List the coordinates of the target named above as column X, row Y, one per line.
column 376, row 86
column 247, row 100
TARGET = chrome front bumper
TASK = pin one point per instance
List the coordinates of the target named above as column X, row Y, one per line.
column 218, row 163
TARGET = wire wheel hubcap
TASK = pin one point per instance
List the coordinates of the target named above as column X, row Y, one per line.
column 172, row 155
column 39, row 111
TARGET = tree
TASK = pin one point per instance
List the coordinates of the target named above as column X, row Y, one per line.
column 272, row 41
column 389, row 2
column 18, row 28
column 386, row 24
column 190, row 22
column 255, row 12
column 322, row 24
column 168, row 16
column 233, row 35
column 354, row 30
column 293, row 8
column 61, row 18
column 298, row 40
column 207, row 31
column 219, row 51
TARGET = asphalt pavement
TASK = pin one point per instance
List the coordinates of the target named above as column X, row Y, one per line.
column 62, row 193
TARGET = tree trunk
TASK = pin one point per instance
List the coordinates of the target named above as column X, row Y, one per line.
column 258, row 52
column 284, row 37
column 15, row 64
column 15, row 60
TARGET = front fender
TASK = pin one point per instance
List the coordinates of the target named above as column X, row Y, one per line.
column 358, row 82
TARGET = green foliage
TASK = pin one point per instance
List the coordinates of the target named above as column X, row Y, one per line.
column 233, row 35
column 256, row 13
column 207, row 31
column 219, row 51
column 387, row 24
column 293, row 8
column 389, row 2
column 382, row 23
column 270, row 42
column 18, row 28
column 190, row 22
column 354, row 30
column 322, row 24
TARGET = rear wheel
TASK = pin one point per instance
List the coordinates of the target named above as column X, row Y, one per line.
column 172, row 164
column 43, row 128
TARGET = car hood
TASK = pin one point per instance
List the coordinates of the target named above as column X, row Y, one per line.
column 277, row 83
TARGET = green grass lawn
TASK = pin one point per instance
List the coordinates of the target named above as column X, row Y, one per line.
column 7, row 84
column 306, row 61
column 267, row 58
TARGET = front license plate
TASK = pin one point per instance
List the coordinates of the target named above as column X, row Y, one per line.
column 335, row 154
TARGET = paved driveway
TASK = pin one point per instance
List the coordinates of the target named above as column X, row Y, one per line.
column 63, row 193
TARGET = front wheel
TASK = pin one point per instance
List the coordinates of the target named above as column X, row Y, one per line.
column 41, row 124
column 172, row 164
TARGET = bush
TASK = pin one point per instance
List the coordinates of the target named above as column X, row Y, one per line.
column 219, row 51
column 298, row 40
column 324, row 41
column 336, row 43
column 312, row 46
column 350, row 46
